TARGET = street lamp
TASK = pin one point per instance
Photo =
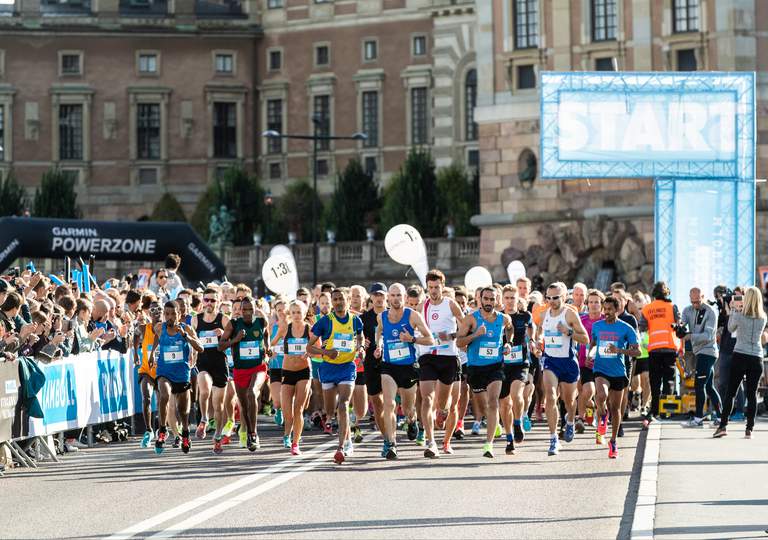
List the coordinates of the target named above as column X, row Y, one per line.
column 268, row 201
column 317, row 123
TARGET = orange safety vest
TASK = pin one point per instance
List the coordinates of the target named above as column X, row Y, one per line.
column 660, row 317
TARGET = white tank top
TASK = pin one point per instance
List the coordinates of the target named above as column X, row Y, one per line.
column 440, row 318
column 556, row 344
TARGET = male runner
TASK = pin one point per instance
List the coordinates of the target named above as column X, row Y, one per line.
column 319, row 417
column 579, row 296
column 439, row 366
column 213, row 371
column 357, row 300
column 372, row 365
column 462, row 299
column 342, row 336
column 623, row 297
column 172, row 343
column 143, row 342
column 613, row 339
column 560, row 329
column 395, row 340
column 483, row 333
column 586, row 378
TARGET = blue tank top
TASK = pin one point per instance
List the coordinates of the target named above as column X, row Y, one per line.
column 173, row 357
column 276, row 362
column 487, row 350
column 395, row 351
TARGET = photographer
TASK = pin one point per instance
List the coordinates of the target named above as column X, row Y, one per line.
column 699, row 322
column 727, row 301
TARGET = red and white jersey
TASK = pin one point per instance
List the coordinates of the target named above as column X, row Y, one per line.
column 440, row 318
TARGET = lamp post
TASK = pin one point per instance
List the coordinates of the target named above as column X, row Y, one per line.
column 268, row 201
column 317, row 123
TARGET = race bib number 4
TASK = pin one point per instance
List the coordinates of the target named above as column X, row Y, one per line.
column 249, row 350
column 297, row 346
column 553, row 339
column 342, row 342
column 173, row 355
column 398, row 350
column 209, row 339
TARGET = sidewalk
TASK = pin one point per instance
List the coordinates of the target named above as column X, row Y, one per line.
column 712, row 488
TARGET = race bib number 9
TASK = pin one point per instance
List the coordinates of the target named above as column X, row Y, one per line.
column 342, row 342
column 173, row 355
column 249, row 350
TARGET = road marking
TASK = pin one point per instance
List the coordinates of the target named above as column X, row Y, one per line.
column 154, row 521
column 645, row 509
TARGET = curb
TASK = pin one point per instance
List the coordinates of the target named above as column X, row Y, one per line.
column 645, row 509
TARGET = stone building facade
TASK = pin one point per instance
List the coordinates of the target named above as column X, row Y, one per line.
column 574, row 228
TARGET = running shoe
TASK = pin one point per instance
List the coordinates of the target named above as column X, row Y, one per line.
column 358, row 434
column 621, row 430
column 160, row 442
column 602, row 425
column 599, row 438
column 519, row 433
column 279, row 417
column 185, row 444
column 243, row 439
column 225, row 439
column 498, row 432
column 569, row 432
column 228, row 427
column 307, row 423
column 295, row 450
column 476, row 427
column 488, row 450
column 459, row 434
column 589, row 416
column 693, row 423
column 256, row 441
column 420, row 437
column 554, row 446
column 510, row 449
column 431, row 450
column 391, row 452
column 217, row 446
column 526, row 423
column 613, row 452
column 177, row 442
column 286, row 441
column 579, row 426
column 447, row 449
column 720, row 432
column 385, row 448
column 748, row 434
column 440, row 419
column 316, row 419
column 211, row 426
column 338, row 457
column 412, row 431
column 146, row 439
column 327, row 429
column 348, row 448
column 250, row 444
column 200, row 431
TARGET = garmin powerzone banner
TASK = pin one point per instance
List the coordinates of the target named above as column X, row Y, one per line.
column 108, row 240
column 694, row 133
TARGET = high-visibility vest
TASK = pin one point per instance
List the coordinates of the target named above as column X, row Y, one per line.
column 660, row 317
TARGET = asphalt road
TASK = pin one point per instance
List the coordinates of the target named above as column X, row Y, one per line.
column 125, row 491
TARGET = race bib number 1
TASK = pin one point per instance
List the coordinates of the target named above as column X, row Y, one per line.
column 398, row 350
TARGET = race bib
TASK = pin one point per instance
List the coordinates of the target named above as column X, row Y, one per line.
column 249, row 350
column 488, row 349
column 398, row 350
column 603, row 349
column 515, row 355
column 553, row 338
column 297, row 346
column 230, row 360
column 209, row 339
column 278, row 349
column 342, row 342
column 173, row 354
column 440, row 344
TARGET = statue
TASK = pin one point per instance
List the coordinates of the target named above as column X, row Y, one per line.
column 220, row 227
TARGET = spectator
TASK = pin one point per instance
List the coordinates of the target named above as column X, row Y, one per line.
column 85, row 340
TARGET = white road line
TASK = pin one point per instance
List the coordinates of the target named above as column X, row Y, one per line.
column 645, row 509
column 154, row 521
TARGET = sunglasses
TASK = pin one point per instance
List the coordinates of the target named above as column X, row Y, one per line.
column 209, row 300
column 162, row 277
column 552, row 297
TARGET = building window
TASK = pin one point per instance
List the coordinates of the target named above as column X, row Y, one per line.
column 370, row 50
column 147, row 176
column 322, row 167
column 71, row 64
column 148, row 63
column 473, row 159
column 370, row 166
column 686, row 60
column 371, row 118
column 685, row 17
column 2, row 133
column 321, row 112
column 526, row 17
column 603, row 20
column 470, row 102
column 419, row 45
column 419, row 115
column 526, row 77
column 225, row 63
column 275, row 171
column 275, row 60
column 71, row 132
column 224, row 130
column 274, row 4
column 274, row 123
column 604, row 64
column 322, row 55
column 148, row 131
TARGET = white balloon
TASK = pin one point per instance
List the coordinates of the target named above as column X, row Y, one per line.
column 421, row 268
column 279, row 275
column 477, row 276
column 515, row 271
column 282, row 249
column 405, row 245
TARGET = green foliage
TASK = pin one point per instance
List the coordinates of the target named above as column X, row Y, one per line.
column 457, row 199
column 411, row 197
column 12, row 196
column 295, row 208
column 56, row 197
column 168, row 209
column 201, row 216
column 242, row 194
column 355, row 203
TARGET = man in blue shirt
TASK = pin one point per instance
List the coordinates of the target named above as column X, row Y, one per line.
column 612, row 339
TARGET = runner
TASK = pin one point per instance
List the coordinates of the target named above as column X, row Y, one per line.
column 342, row 336
column 172, row 343
column 358, row 299
column 143, row 344
column 623, row 297
column 295, row 386
column 279, row 326
column 372, row 365
column 483, row 334
column 586, row 378
column 319, row 417
column 248, row 339
column 612, row 339
column 516, row 366
column 439, row 366
column 579, row 295
column 213, row 371
column 463, row 401
column 395, row 339
column 561, row 327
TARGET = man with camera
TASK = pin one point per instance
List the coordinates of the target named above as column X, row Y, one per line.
column 699, row 327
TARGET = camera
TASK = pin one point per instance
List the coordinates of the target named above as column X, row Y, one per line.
column 681, row 329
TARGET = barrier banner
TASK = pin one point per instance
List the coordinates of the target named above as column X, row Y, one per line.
column 9, row 396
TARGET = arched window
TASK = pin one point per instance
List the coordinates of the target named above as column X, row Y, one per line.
column 470, row 101
column 527, row 166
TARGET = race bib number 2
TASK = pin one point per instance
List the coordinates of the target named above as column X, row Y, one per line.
column 249, row 350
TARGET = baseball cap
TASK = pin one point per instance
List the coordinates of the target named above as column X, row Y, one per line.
column 377, row 287
column 4, row 286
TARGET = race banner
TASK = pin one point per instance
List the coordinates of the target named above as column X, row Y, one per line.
column 9, row 396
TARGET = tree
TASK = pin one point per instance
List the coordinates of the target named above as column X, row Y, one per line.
column 13, row 199
column 457, row 199
column 56, row 197
column 168, row 209
column 296, row 210
column 241, row 193
column 355, row 203
column 201, row 217
column 411, row 196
